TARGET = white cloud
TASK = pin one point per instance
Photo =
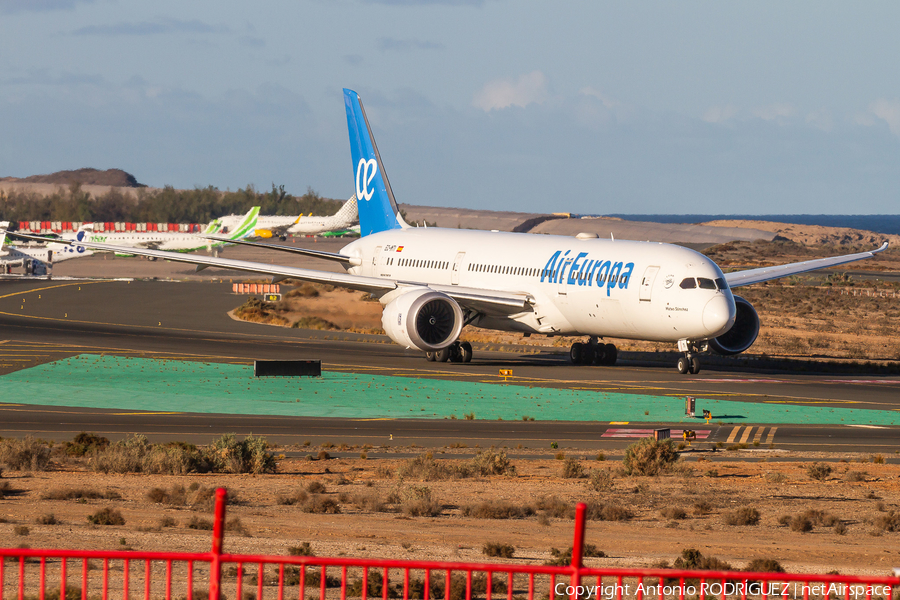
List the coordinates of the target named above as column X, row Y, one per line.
column 720, row 114
column 821, row 119
column 889, row 112
column 502, row 93
column 777, row 111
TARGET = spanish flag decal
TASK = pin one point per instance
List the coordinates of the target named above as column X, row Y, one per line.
column 399, row 248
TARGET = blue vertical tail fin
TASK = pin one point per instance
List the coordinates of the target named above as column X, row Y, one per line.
column 375, row 199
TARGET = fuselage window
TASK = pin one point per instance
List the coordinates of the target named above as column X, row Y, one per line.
column 688, row 283
column 706, row 284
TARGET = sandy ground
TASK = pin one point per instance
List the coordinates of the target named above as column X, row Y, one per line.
column 814, row 235
column 860, row 495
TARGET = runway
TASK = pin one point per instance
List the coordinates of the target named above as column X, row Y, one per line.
column 44, row 321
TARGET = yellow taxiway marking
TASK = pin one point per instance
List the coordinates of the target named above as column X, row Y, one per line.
column 49, row 288
column 759, row 433
column 147, row 413
column 771, row 437
column 746, row 435
column 619, row 422
column 733, row 434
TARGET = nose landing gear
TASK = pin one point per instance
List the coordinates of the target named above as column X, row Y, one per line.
column 689, row 363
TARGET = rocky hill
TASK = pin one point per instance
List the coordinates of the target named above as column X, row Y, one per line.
column 109, row 177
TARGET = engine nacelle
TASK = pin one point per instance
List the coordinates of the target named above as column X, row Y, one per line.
column 423, row 319
column 742, row 334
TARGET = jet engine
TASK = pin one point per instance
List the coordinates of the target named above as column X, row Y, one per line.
column 742, row 334
column 423, row 319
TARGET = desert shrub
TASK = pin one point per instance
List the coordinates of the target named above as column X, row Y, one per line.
column 840, row 528
column 201, row 524
column 316, row 487
column 319, row 504
column 818, row 471
column 691, row 558
column 22, row 530
column 497, row 509
column 673, row 512
column 307, row 290
column 250, row 455
column 489, row 463
column 745, row 515
column 701, row 507
column 234, row 525
column 174, row 458
column 498, row 550
column 600, row 480
column 649, row 457
column 175, row 495
column 313, row 322
column 551, row 506
column 607, row 511
column 167, row 522
column 775, row 477
column 425, row 468
column 564, row 559
column 855, row 476
column 800, row 524
column 79, row 493
column 370, row 501
column 107, row 516
column 764, row 565
column 878, row 459
column 125, row 456
column 889, row 521
column 296, row 497
column 28, row 454
column 47, row 519
column 304, row 549
column 572, row 469
column 420, row 502
column 85, row 443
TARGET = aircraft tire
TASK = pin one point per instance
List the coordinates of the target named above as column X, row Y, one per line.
column 695, row 365
column 588, row 354
column 611, row 354
column 442, row 355
column 683, row 365
column 465, row 349
column 430, row 356
column 576, row 353
column 455, row 353
column 600, row 355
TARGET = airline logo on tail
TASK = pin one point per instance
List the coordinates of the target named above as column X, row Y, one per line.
column 365, row 173
column 377, row 208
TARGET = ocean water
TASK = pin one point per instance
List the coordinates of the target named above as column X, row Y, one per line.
column 878, row 223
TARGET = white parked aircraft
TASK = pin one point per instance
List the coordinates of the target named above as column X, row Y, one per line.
column 269, row 225
column 36, row 260
column 432, row 281
column 165, row 240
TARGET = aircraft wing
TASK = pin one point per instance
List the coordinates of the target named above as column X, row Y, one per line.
column 350, row 260
column 480, row 300
column 739, row 278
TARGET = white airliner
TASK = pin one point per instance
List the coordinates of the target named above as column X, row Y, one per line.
column 269, row 225
column 432, row 281
column 39, row 258
column 174, row 241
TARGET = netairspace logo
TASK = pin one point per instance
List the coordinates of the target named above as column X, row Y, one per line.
column 757, row 588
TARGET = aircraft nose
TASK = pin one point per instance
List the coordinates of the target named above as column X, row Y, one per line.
column 719, row 314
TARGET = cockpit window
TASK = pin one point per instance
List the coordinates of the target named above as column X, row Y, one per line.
column 706, row 284
column 688, row 283
column 721, row 284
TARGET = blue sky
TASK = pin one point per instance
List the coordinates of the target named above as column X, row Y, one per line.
column 582, row 106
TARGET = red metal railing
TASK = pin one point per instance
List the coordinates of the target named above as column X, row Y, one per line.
column 276, row 575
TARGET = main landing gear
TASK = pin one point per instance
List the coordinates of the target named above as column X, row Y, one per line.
column 455, row 352
column 593, row 353
column 688, row 363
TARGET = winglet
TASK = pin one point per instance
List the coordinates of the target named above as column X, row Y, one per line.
column 377, row 207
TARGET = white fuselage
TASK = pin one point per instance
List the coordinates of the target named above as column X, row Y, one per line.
column 592, row 287
column 159, row 240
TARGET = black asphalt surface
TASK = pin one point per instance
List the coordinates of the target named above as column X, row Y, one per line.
column 43, row 321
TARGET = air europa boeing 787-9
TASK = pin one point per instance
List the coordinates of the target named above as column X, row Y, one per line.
column 433, row 282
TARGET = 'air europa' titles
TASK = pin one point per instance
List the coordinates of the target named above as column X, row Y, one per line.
column 583, row 271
